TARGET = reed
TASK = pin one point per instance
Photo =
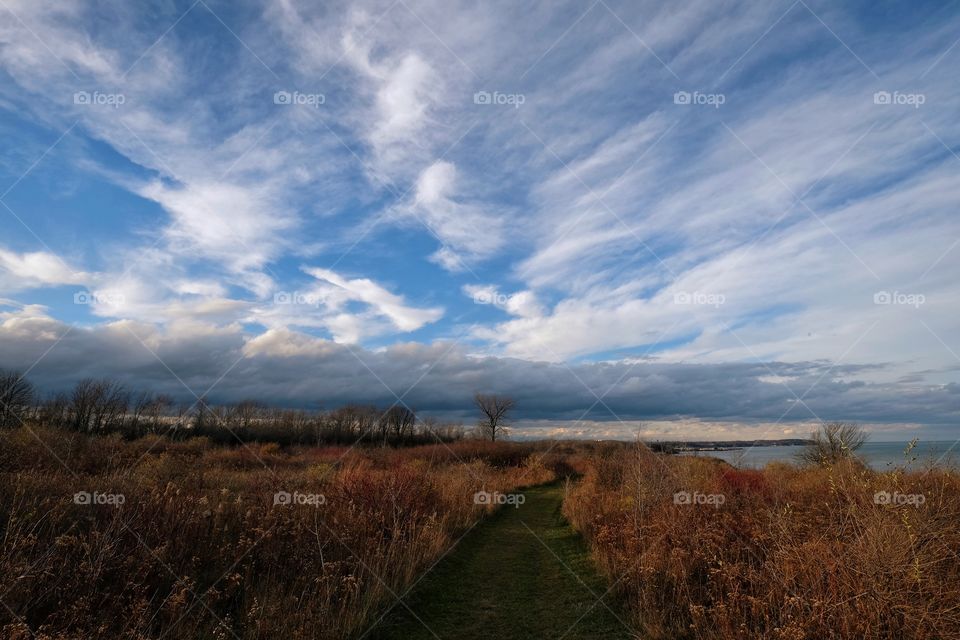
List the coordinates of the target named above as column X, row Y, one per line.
column 787, row 552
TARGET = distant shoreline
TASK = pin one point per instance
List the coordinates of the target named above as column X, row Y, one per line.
column 878, row 455
column 723, row 445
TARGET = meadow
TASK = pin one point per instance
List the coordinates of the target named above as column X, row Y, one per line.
column 699, row 549
column 250, row 523
column 191, row 539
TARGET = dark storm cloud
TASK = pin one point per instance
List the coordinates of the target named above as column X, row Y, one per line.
column 288, row 369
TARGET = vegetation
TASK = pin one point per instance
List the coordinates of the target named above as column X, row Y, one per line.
column 109, row 538
column 834, row 442
column 494, row 409
column 115, row 524
column 102, row 406
column 702, row 550
column 524, row 573
column 16, row 397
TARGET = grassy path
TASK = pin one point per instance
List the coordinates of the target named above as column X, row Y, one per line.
column 523, row 573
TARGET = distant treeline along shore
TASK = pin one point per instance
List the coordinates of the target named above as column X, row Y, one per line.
column 101, row 406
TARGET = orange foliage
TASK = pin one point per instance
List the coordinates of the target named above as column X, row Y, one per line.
column 786, row 553
column 199, row 546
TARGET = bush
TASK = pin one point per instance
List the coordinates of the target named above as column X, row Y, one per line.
column 833, row 443
column 825, row 551
column 199, row 547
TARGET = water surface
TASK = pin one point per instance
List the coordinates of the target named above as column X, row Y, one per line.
column 881, row 456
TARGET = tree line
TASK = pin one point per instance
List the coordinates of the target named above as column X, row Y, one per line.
column 102, row 406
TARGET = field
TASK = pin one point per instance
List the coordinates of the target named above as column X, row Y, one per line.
column 106, row 537
column 836, row 551
column 199, row 549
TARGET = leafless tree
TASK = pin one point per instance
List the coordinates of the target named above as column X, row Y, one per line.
column 55, row 410
column 365, row 419
column 16, row 397
column 98, row 405
column 245, row 414
column 293, row 424
column 156, row 409
column 202, row 419
column 400, row 420
column 82, row 399
column 833, row 442
column 354, row 421
column 341, row 422
column 494, row 409
column 382, row 427
column 444, row 432
column 110, row 406
column 138, row 409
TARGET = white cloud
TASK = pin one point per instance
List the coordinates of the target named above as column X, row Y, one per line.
column 467, row 230
column 237, row 226
column 598, row 195
column 405, row 90
column 520, row 303
column 404, row 317
column 20, row 271
column 403, row 101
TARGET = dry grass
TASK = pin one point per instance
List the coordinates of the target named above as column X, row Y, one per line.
column 199, row 550
column 792, row 553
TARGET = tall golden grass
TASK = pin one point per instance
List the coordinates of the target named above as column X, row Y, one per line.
column 790, row 553
column 198, row 549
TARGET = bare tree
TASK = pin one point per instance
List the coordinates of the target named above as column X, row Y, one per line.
column 365, row 418
column 55, row 410
column 111, row 401
column 382, row 426
column 400, row 420
column 353, row 421
column 98, row 405
column 156, row 409
column 494, row 409
column 341, row 422
column 16, row 396
column 102, row 405
column 82, row 399
column 245, row 414
column 833, row 442
column 201, row 415
column 138, row 409
column 435, row 430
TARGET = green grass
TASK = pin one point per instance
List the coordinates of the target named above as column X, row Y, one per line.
column 522, row 573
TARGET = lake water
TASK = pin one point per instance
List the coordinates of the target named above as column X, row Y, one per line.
column 878, row 455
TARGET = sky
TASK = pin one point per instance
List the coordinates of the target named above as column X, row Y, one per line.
column 683, row 220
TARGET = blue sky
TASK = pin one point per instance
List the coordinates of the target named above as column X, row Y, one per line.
column 718, row 218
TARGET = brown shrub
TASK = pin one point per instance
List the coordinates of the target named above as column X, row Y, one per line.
column 200, row 549
column 790, row 553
